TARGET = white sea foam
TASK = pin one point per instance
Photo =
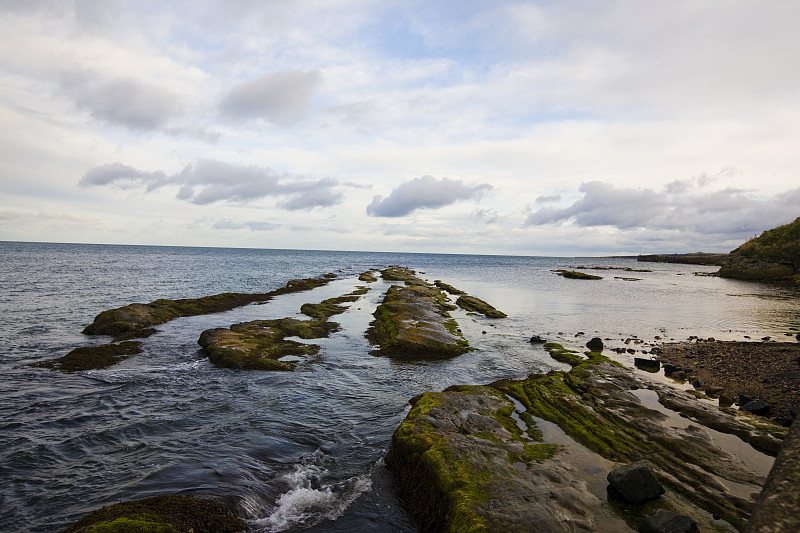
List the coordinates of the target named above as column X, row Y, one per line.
column 310, row 499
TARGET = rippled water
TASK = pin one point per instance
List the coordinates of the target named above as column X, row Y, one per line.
column 296, row 450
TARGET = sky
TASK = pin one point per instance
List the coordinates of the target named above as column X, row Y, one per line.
column 557, row 128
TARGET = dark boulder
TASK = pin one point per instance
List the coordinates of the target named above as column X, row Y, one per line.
column 650, row 365
column 595, row 344
column 538, row 339
column 663, row 521
column 757, row 407
column 635, row 482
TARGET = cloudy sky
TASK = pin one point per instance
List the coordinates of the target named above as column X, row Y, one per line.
column 470, row 126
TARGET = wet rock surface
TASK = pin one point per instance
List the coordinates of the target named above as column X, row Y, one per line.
column 463, row 464
column 597, row 404
column 662, row 521
column 413, row 320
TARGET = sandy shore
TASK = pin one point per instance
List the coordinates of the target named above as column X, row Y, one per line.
column 767, row 370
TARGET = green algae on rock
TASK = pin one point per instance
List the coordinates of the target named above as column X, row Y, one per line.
column 574, row 274
column 449, row 288
column 258, row 345
column 137, row 316
column 368, row 277
column 594, row 404
column 93, row 357
column 413, row 322
column 462, row 463
column 161, row 514
column 471, row 303
column 404, row 274
column 327, row 308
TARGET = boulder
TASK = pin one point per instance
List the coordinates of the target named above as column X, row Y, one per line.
column 650, row 365
column 757, row 407
column 663, row 521
column 595, row 344
column 538, row 339
column 635, row 482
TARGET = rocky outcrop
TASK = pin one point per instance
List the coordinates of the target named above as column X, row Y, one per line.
column 462, row 463
column 778, row 508
column 696, row 258
column 413, row 321
column 476, row 305
column 137, row 317
column 260, row 344
column 773, row 256
column 574, row 274
column 452, row 456
column 164, row 514
column 93, row 357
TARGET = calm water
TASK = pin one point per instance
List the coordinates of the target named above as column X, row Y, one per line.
column 294, row 451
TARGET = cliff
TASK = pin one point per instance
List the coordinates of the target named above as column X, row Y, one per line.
column 773, row 256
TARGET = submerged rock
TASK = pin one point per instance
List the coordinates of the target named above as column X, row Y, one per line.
column 162, row 514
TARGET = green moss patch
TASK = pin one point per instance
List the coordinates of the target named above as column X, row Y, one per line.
column 368, row 277
column 327, row 308
column 138, row 316
column 93, row 357
column 471, row 303
column 162, row 514
column 258, row 345
column 448, row 288
column 574, row 274
column 412, row 321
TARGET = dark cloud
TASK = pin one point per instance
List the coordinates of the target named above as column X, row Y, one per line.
column 423, row 193
column 678, row 207
column 208, row 181
column 127, row 102
column 123, row 176
column 282, row 97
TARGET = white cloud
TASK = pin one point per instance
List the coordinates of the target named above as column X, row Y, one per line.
column 728, row 211
column 209, row 181
column 423, row 193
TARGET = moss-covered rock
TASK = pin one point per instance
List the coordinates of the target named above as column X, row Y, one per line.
column 593, row 404
column 448, row 288
column 462, row 463
column 258, row 345
column 471, row 303
column 161, row 514
column 138, row 316
column 773, row 256
column 368, row 277
column 404, row 274
column 93, row 357
column 574, row 274
column 327, row 308
column 413, row 322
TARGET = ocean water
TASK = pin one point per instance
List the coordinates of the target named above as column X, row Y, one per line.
column 290, row 451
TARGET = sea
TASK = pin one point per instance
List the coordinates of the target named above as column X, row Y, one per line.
column 301, row 450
